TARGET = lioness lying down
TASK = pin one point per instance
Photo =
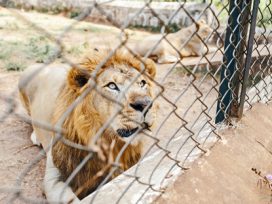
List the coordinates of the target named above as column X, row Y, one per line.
column 182, row 44
column 47, row 93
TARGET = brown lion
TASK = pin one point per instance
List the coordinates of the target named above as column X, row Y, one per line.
column 184, row 43
column 119, row 94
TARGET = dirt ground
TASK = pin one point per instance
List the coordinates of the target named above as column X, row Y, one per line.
column 226, row 176
column 16, row 150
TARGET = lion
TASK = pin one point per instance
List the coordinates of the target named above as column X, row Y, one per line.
column 183, row 43
column 113, row 115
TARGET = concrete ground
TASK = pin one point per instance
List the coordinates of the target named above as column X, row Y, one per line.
column 225, row 176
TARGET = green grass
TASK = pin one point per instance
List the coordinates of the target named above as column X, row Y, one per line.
column 15, row 66
column 89, row 28
column 200, row 71
column 264, row 15
column 21, row 44
column 9, row 58
column 5, row 51
column 14, row 55
column 171, row 28
column 77, row 50
column 11, row 26
column 40, row 49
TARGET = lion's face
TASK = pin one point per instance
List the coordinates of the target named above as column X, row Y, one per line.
column 122, row 99
column 126, row 96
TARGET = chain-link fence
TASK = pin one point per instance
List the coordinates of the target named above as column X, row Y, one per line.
column 122, row 134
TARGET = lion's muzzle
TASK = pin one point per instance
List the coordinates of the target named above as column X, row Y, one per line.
column 142, row 105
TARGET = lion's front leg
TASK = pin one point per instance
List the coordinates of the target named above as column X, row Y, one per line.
column 204, row 49
column 56, row 190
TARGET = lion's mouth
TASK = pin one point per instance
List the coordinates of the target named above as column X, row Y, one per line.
column 129, row 132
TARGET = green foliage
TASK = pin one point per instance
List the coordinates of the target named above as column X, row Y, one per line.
column 147, row 28
column 5, row 51
column 74, row 13
column 199, row 72
column 90, row 28
column 15, row 66
column 40, row 49
column 11, row 26
column 172, row 28
column 77, row 50
column 42, row 10
column 169, row 29
column 15, row 54
column 264, row 15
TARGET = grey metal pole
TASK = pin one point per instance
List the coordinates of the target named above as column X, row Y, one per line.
column 228, row 72
column 249, row 55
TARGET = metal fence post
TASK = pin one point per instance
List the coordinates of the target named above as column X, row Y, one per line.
column 248, row 56
column 240, row 56
column 231, row 60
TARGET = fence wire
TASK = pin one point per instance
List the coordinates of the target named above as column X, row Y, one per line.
column 196, row 93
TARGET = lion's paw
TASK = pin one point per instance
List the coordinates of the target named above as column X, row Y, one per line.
column 167, row 59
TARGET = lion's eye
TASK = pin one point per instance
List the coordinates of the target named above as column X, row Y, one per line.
column 113, row 86
column 142, row 83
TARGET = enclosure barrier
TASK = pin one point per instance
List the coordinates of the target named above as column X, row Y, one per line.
column 209, row 91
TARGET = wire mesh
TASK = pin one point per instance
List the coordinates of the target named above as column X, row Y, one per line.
column 187, row 93
column 260, row 69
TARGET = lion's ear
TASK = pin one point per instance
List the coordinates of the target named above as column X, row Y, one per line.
column 201, row 21
column 77, row 78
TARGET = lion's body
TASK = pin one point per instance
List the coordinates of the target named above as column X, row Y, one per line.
column 53, row 90
column 183, row 43
column 39, row 89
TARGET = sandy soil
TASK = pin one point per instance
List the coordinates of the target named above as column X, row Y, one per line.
column 226, row 176
column 16, row 150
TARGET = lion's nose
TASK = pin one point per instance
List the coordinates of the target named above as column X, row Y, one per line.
column 141, row 105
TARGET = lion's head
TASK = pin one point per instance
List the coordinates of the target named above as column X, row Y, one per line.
column 123, row 91
column 203, row 29
column 115, row 95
